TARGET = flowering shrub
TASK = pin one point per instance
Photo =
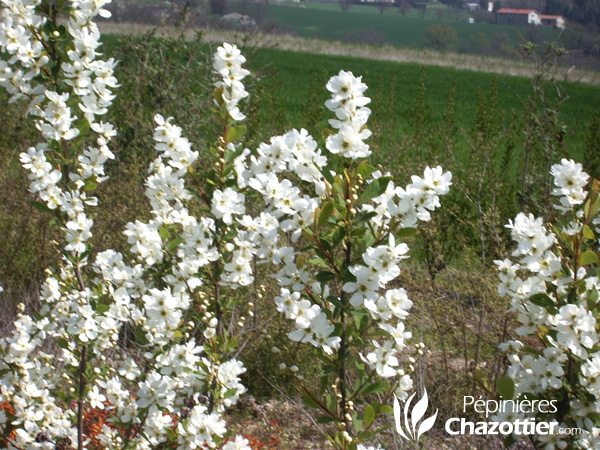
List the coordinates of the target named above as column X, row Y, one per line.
column 66, row 377
column 553, row 287
column 336, row 290
column 330, row 227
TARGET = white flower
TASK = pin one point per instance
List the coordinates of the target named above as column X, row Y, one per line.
column 383, row 359
column 239, row 443
column 96, row 398
column 227, row 203
column 569, row 179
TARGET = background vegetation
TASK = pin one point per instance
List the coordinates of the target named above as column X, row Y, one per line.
column 404, row 24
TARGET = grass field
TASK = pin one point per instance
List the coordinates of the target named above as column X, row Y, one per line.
column 295, row 68
column 328, row 21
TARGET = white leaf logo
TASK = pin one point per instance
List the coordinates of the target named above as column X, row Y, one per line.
column 408, row 432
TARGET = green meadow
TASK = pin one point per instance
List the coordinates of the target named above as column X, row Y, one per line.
column 393, row 88
column 328, row 21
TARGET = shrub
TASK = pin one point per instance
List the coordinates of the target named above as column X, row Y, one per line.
column 440, row 36
column 553, row 287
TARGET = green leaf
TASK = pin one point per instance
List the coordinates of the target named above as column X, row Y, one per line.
column 331, row 402
column 588, row 257
column 365, row 435
column 326, row 419
column 324, row 383
column 171, row 436
column 40, row 206
column 365, row 170
column 358, row 424
column 335, row 301
column 386, row 409
column 375, row 388
column 509, row 440
column 173, row 244
column 593, row 203
column 593, row 297
column 364, row 216
column 310, row 402
column 325, row 276
column 230, row 393
column 328, row 176
column 320, row 262
column 542, row 300
column 90, row 186
column 482, row 380
column 163, row 232
column 338, row 236
column 505, row 387
column 218, row 93
column 316, row 219
column 140, row 337
column 326, row 212
column 405, row 232
column 369, row 415
column 587, row 232
column 235, row 133
column 531, row 351
column 375, row 189
column 361, row 319
column 101, row 309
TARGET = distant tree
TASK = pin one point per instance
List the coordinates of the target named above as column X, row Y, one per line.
column 218, row 7
column 484, row 16
column 452, row 3
column 383, row 5
column 404, row 8
column 440, row 36
column 538, row 5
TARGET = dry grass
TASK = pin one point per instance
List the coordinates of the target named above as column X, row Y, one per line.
column 382, row 53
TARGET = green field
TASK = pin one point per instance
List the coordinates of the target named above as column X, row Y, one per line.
column 292, row 93
column 328, row 21
column 294, row 71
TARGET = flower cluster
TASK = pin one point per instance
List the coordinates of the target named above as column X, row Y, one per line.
column 352, row 224
column 87, row 84
column 227, row 63
column 348, row 105
column 570, row 181
column 553, row 286
column 178, row 388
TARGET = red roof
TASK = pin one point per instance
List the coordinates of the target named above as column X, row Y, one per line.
column 549, row 16
column 516, row 11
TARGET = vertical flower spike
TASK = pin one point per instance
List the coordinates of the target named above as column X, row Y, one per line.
column 336, row 289
column 348, row 103
column 227, row 63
